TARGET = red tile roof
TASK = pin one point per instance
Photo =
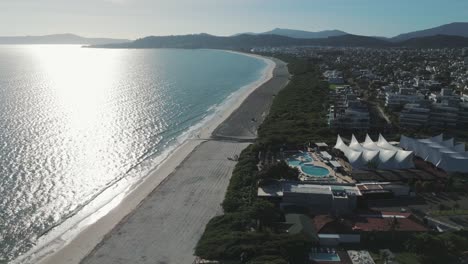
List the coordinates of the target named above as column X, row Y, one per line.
column 371, row 221
column 385, row 224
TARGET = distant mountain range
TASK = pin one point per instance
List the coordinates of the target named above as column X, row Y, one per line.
column 292, row 33
column 452, row 29
column 247, row 41
column 59, row 39
column 450, row 35
column 306, row 34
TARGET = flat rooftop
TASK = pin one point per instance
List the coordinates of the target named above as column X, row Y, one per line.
column 321, row 144
column 277, row 190
column 392, row 175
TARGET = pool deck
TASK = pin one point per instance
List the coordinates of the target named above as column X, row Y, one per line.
column 340, row 178
column 333, row 176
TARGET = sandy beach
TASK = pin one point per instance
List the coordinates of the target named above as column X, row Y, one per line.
column 161, row 219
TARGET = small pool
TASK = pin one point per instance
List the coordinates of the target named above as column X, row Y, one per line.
column 315, row 171
column 297, row 159
column 294, row 162
column 325, row 257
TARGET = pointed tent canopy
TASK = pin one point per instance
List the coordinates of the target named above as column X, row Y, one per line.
column 355, row 145
column 369, row 154
column 438, row 138
column 383, row 143
column 369, row 144
column 460, row 147
column 354, row 157
column 442, row 153
column 448, row 143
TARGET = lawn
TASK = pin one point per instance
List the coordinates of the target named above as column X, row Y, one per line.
column 333, row 86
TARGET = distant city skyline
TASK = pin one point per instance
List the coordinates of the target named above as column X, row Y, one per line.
column 138, row 18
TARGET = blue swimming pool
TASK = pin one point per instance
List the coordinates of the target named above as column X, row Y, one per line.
column 325, row 257
column 303, row 160
column 315, row 171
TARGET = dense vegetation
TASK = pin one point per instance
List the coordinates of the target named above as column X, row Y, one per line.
column 298, row 114
column 247, row 232
column 277, row 171
column 439, row 248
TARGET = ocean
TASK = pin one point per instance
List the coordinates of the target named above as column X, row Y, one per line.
column 75, row 122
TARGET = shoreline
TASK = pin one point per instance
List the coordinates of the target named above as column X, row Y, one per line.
column 78, row 241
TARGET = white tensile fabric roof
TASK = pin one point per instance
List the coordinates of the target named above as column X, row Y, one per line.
column 442, row 153
column 370, row 154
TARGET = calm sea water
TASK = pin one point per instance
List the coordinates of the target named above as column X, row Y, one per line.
column 75, row 121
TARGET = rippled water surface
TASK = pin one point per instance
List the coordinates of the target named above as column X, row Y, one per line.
column 74, row 121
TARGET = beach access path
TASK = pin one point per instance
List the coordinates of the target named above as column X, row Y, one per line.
column 167, row 224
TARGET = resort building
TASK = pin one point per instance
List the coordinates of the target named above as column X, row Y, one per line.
column 354, row 117
column 334, row 77
column 463, row 115
column 414, row 115
column 444, row 154
column 336, row 199
column 444, row 114
column 444, row 95
column 347, row 111
column 321, row 146
column 375, row 155
column 402, row 97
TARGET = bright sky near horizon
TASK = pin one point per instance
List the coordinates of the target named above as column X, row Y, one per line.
column 138, row 18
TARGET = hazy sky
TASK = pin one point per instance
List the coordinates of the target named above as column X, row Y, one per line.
column 138, row 18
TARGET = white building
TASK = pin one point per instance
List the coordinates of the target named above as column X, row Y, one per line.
column 444, row 95
column 414, row 115
column 334, row 77
column 347, row 112
column 444, row 115
column 351, row 119
column 463, row 115
column 402, row 97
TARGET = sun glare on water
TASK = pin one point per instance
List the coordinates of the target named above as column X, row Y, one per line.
column 81, row 99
